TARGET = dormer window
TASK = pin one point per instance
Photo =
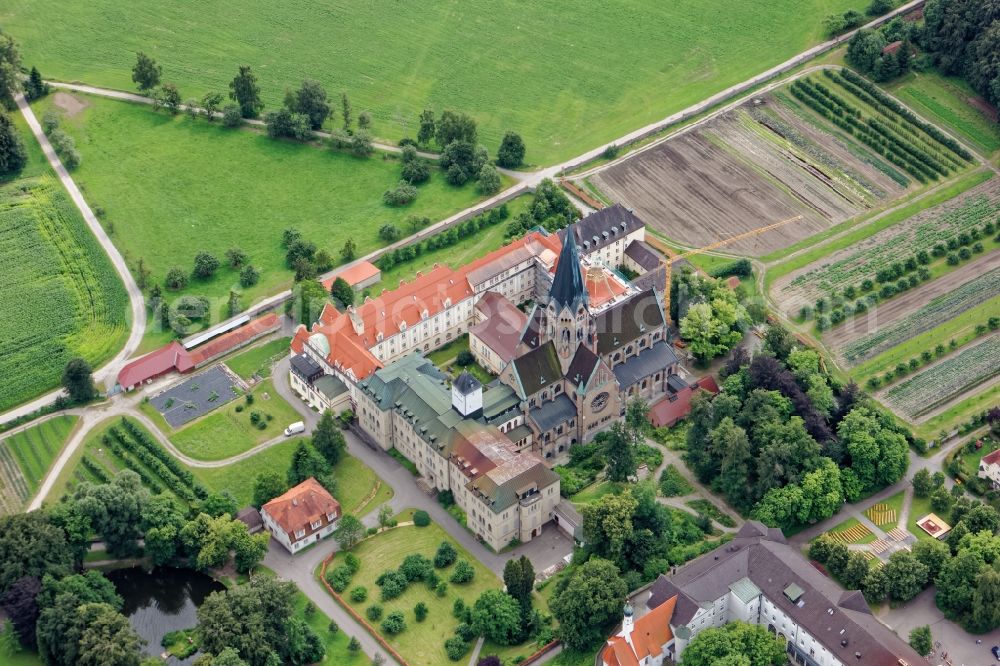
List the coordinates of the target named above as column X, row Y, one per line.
column 315, row 524
column 299, row 534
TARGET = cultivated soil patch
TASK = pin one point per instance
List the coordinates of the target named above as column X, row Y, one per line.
column 750, row 167
column 852, row 264
column 895, row 309
column 69, row 104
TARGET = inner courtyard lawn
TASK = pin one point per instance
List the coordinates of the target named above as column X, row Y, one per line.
column 226, row 432
column 568, row 77
column 169, row 187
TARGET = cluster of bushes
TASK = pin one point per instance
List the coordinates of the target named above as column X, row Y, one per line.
column 63, row 143
column 840, row 23
column 585, row 462
column 866, row 50
column 550, row 209
column 673, row 483
column 739, row 268
column 340, row 576
column 831, row 107
column 440, row 240
column 303, row 256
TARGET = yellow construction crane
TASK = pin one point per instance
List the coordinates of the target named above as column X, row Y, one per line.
column 671, row 257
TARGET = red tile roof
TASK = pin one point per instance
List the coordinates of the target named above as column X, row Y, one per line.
column 649, row 634
column 170, row 357
column 673, row 408
column 354, row 275
column 234, row 339
column 992, row 458
column 301, row 506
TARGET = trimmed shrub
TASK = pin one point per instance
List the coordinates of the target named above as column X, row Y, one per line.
column 456, row 648
column 421, row 518
column 445, row 555
column 464, row 573
column 374, row 612
column 359, row 594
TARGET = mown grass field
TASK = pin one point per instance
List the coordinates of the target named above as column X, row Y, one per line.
column 59, row 294
column 568, row 81
column 256, row 360
column 225, row 432
column 170, row 186
column 945, row 101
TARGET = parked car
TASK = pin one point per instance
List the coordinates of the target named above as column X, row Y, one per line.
column 295, row 429
column 996, row 651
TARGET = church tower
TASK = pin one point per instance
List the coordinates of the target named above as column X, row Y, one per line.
column 566, row 318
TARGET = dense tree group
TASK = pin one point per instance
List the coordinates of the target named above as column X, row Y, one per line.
column 786, row 442
column 712, row 321
column 735, row 643
column 550, row 209
column 964, row 38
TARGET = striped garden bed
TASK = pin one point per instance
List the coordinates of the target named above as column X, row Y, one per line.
column 881, row 514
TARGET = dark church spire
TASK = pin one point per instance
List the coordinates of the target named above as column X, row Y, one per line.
column 568, row 288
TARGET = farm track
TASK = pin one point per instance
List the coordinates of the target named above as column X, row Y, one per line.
column 900, row 306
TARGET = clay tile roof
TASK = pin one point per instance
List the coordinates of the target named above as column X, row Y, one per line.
column 300, row 506
column 234, row 339
column 992, row 458
column 169, row 357
column 353, row 275
column 652, row 631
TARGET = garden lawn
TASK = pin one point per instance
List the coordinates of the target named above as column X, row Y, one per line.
column 258, row 360
column 945, row 100
column 709, row 509
column 919, row 508
column 355, row 480
column 595, row 491
column 422, row 642
column 619, row 66
column 970, row 459
column 336, row 643
column 34, row 449
column 226, row 432
column 59, row 294
column 950, row 419
column 205, row 187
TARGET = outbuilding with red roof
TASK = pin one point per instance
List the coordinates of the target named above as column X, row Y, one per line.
column 301, row 516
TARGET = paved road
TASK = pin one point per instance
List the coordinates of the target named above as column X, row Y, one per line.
column 136, row 300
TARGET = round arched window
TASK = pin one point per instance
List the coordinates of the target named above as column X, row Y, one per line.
column 600, row 402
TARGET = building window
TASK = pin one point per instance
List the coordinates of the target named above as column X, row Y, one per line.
column 315, row 525
column 299, row 534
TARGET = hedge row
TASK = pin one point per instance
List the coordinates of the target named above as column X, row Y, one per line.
column 443, row 239
column 143, row 440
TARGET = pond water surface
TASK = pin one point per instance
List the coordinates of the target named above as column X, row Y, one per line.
column 162, row 600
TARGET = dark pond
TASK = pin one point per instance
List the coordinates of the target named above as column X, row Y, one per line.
column 162, row 600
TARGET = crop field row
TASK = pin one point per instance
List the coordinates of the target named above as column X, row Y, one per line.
column 823, row 147
column 58, row 291
column 25, row 459
column 977, row 209
column 941, row 383
column 938, row 310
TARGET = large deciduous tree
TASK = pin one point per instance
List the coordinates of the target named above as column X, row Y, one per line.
column 328, row 440
column 587, row 602
column 115, row 510
column 13, row 155
column 77, row 380
column 510, row 155
column 497, row 616
column 311, row 101
column 146, row 73
column 243, row 90
column 716, row 645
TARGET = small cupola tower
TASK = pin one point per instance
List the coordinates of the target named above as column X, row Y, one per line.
column 467, row 395
column 628, row 619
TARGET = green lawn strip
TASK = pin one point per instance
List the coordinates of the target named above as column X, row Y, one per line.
column 848, row 524
column 449, row 352
column 707, row 262
column 257, row 359
column 421, row 642
column 595, row 491
column 238, row 477
column 355, row 483
column 226, row 432
column 711, row 50
column 36, row 448
column 896, row 502
column 920, row 507
column 11, row 651
column 187, row 195
column 952, row 417
column 709, row 509
column 77, row 306
column 959, row 185
column 944, row 100
column 961, row 329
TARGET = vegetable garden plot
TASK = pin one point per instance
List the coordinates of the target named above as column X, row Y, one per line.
column 939, row 310
column 196, row 396
column 941, row 383
column 861, row 261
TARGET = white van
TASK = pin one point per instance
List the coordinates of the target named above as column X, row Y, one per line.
column 295, row 429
